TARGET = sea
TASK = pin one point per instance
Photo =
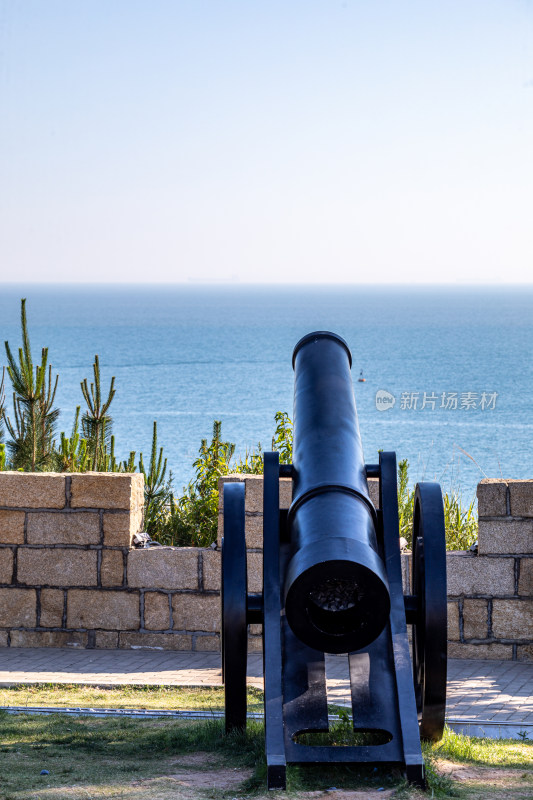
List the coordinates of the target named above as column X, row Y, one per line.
column 447, row 370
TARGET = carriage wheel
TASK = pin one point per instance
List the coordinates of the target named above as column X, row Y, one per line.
column 430, row 627
column 234, row 594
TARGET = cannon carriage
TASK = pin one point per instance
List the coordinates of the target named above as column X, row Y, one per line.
column 332, row 583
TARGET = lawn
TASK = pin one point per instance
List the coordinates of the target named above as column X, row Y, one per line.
column 88, row 757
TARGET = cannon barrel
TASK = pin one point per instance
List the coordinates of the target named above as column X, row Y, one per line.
column 336, row 589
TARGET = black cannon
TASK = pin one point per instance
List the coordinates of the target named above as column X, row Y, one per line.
column 332, row 583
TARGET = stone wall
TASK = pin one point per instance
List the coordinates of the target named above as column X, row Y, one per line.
column 490, row 608
column 69, row 575
column 490, row 594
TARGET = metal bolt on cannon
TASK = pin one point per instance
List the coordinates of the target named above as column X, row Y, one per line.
column 332, row 583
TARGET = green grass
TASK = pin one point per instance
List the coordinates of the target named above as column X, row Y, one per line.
column 167, row 698
column 96, row 758
column 512, row 753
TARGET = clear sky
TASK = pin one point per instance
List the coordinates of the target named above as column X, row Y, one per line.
column 266, row 140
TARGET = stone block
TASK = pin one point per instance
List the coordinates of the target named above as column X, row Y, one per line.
column 112, row 568
column 475, row 619
column 154, row 641
column 76, row 639
column 18, row 608
column 285, row 493
column 512, row 619
column 254, row 493
column 505, row 536
column 220, row 530
column 406, row 572
column 120, row 528
column 373, row 491
column 58, row 566
column 212, row 562
column 524, row 652
column 468, row 574
column 254, row 563
column 6, row 565
column 52, row 602
column 171, row 568
column 32, row 490
column 499, row 652
column 255, row 630
column 233, row 478
column 156, row 611
column 521, row 493
column 12, row 527
column 253, row 527
column 196, row 612
column 109, row 610
column 255, row 644
column 207, row 644
column 492, row 498
column 112, row 490
column 4, row 642
column 525, row 583
column 106, row 640
column 81, row 527
column 453, row 622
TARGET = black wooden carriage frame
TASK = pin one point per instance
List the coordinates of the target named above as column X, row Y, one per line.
column 389, row 692
column 332, row 581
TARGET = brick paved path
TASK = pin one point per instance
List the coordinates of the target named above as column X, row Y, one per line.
column 480, row 693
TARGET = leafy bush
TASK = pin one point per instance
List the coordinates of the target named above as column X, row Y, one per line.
column 192, row 519
column 460, row 523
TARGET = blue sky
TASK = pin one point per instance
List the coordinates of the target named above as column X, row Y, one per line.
column 266, row 141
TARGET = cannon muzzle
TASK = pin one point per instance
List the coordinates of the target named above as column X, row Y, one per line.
column 336, row 589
